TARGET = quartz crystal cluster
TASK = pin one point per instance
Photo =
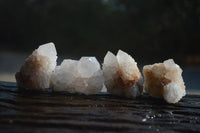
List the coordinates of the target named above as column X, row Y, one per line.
column 164, row 80
column 37, row 69
column 83, row 76
column 121, row 74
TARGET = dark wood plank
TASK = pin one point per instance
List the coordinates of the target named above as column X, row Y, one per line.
column 30, row 111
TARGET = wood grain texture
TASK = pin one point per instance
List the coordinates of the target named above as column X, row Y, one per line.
column 29, row 111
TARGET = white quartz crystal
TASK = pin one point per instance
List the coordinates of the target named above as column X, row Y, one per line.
column 164, row 80
column 88, row 66
column 121, row 74
column 82, row 76
column 49, row 50
column 38, row 67
column 173, row 92
column 63, row 76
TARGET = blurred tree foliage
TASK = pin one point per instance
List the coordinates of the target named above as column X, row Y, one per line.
column 147, row 29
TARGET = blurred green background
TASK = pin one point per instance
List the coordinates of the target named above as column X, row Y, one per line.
column 150, row 30
column 162, row 29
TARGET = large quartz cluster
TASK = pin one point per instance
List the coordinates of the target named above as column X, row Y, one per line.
column 164, row 80
column 84, row 76
column 37, row 69
column 121, row 74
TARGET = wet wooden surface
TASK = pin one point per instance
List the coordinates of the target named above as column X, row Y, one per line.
column 34, row 112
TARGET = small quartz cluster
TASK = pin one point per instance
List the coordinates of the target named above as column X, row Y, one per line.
column 38, row 67
column 164, row 80
column 122, row 76
column 83, row 76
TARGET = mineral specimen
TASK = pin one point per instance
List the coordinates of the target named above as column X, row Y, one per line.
column 164, row 80
column 121, row 74
column 83, row 76
column 37, row 69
